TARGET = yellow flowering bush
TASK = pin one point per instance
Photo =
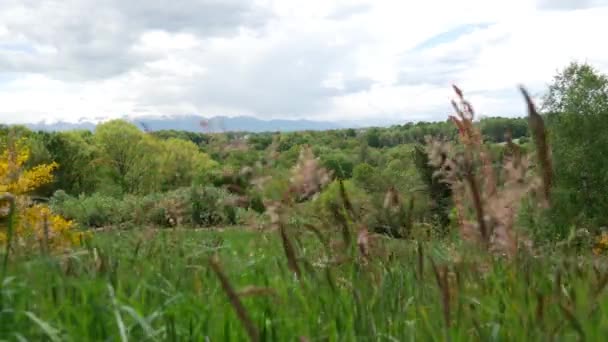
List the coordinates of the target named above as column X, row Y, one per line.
column 33, row 224
column 601, row 244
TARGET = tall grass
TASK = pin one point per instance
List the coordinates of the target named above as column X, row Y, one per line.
column 167, row 291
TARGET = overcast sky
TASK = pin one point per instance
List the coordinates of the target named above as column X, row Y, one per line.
column 317, row 59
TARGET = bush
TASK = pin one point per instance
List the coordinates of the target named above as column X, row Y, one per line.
column 209, row 207
column 171, row 209
column 96, row 210
column 202, row 206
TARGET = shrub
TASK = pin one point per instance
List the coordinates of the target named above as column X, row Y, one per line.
column 202, row 206
column 209, row 208
column 29, row 225
column 172, row 208
column 96, row 210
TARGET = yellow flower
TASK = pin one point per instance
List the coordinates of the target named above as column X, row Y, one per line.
column 601, row 244
column 33, row 223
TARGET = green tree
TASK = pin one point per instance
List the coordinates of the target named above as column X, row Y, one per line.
column 495, row 129
column 337, row 162
column 131, row 156
column 182, row 162
column 145, row 172
column 373, row 138
column 77, row 156
column 577, row 109
column 365, row 176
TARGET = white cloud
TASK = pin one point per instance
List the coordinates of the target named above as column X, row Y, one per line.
column 336, row 60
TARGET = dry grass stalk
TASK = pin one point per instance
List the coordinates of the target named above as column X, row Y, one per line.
column 363, row 242
column 513, row 150
column 392, row 201
column 342, row 220
column 235, row 300
column 540, row 307
column 475, row 187
column 441, row 276
column 420, row 253
column 256, row 291
column 308, row 176
column 539, row 133
column 348, row 205
column 308, row 179
column 290, row 252
column 276, row 212
column 571, row 316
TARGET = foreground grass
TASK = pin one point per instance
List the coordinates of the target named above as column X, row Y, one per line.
column 158, row 286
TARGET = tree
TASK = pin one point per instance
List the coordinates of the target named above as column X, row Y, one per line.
column 578, row 89
column 76, row 154
column 495, row 129
column 181, row 162
column 145, row 172
column 577, row 109
column 339, row 164
column 373, row 138
column 365, row 177
column 119, row 141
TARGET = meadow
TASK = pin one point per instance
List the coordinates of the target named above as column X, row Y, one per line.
column 159, row 285
column 491, row 229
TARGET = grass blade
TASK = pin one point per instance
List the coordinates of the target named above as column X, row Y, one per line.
column 235, row 301
column 49, row 331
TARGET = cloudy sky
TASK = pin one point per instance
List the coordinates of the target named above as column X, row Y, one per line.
column 366, row 61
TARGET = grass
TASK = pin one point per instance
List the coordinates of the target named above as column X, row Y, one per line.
column 148, row 286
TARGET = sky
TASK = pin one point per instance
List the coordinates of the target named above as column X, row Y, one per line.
column 365, row 61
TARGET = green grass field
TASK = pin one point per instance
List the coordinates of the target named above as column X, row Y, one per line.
column 148, row 286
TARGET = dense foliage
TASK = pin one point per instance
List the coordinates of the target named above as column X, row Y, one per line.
column 577, row 107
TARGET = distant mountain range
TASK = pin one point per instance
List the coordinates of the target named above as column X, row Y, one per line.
column 195, row 123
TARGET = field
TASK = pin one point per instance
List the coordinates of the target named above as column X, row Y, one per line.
column 489, row 230
column 159, row 285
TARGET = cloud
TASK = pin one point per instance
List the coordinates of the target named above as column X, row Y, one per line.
column 570, row 4
column 331, row 60
column 346, row 12
column 94, row 39
column 450, row 36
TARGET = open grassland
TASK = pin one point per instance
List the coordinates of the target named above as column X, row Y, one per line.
column 161, row 285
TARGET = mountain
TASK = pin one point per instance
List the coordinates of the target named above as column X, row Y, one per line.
column 196, row 123
column 61, row 126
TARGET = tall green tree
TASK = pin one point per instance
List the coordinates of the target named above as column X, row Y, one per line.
column 182, row 162
column 119, row 142
column 76, row 154
column 577, row 108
